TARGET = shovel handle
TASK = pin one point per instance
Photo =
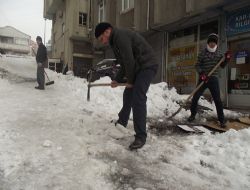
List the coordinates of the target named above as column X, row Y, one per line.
column 209, row 74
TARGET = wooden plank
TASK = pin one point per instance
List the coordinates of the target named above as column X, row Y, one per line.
column 237, row 125
column 214, row 126
column 230, row 125
column 245, row 120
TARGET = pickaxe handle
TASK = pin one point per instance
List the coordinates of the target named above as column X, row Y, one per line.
column 105, row 84
column 100, row 84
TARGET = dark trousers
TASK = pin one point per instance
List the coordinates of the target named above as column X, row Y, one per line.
column 40, row 76
column 135, row 98
column 213, row 86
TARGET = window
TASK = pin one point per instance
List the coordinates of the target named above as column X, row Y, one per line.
column 127, row 4
column 22, row 41
column 239, row 67
column 7, row 40
column 82, row 19
column 101, row 12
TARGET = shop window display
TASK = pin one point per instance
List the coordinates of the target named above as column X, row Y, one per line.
column 239, row 67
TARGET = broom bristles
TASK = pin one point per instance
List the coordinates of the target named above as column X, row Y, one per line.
column 49, row 83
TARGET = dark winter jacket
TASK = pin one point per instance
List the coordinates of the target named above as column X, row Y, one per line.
column 207, row 60
column 41, row 56
column 132, row 52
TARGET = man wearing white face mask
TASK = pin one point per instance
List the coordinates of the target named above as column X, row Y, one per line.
column 207, row 59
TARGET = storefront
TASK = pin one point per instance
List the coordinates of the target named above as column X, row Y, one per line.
column 238, row 37
column 184, row 46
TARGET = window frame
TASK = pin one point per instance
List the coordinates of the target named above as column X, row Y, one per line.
column 81, row 19
column 129, row 5
column 101, row 8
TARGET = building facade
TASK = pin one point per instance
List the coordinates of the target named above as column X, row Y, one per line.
column 176, row 29
column 187, row 25
column 13, row 41
column 70, row 40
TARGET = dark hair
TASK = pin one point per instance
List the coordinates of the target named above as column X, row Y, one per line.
column 39, row 38
column 101, row 27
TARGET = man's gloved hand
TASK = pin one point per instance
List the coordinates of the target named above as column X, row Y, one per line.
column 228, row 56
column 114, row 84
column 39, row 64
column 129, row 85
column 204, row 77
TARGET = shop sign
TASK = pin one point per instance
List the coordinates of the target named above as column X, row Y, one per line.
column 241, row 57
column 181, row 70
column 238, row 22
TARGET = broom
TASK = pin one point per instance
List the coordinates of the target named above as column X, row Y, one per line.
column 50, row 81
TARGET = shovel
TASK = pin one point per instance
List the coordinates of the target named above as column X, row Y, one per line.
column 197, row 88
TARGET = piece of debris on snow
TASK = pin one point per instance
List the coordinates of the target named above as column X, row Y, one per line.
column 47, row 143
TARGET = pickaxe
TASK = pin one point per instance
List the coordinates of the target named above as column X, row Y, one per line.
column 99, row 84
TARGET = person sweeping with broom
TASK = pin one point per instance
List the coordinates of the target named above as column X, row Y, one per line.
column 41, row 58
column 207, row 59
column 139, row 65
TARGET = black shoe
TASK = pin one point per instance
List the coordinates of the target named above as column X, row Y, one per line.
column 223, row 124
column 116, row 122
column 191, row 118
column 39, row 88
column 138, row 143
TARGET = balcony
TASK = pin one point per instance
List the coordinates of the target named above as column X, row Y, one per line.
column 50, row 7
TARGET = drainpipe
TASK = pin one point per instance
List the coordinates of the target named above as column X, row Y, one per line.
column 148, row 15
column 89, row 17
column 166, row 55
column 44, row 32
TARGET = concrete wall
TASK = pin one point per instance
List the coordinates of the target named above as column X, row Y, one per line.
column 57, row 34
column 140, row 15
column 124, row 19
column 166, row 12
column 75, row 8
column 110, row 11
column 202, row 4
column 67, row 13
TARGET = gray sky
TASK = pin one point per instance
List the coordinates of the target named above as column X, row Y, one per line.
column 26, row 16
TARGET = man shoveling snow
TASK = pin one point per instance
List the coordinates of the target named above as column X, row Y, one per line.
column 139, row 65
column 207, row 60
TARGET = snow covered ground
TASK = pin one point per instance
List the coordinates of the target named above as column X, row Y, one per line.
column 56, row 140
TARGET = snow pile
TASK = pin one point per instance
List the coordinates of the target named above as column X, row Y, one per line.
column 19, row 65
column 162, row 101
